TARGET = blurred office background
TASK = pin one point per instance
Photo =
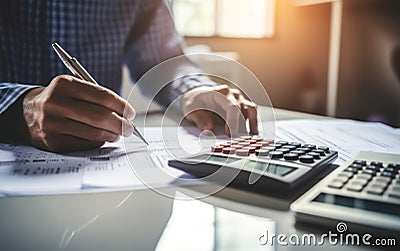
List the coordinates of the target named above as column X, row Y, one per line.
column 286, row 44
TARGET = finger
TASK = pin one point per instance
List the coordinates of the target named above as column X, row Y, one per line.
column 95, row 116
column 86, row 91
column 233, row 114
column 251, row 112
column 202, row 119
column 84, row 131
column 232, row 110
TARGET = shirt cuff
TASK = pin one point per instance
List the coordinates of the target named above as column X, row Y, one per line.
column 10, row 92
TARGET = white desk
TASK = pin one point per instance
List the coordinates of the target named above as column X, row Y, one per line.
column 136, row 221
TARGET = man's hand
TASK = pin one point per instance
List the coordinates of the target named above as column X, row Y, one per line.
column 210, row 107
column 72, row 114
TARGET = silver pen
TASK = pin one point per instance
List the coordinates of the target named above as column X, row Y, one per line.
column 77, row 69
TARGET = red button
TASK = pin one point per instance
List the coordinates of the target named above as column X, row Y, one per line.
column 258, row 138
column 264, row 143
column 246, row 137
column 251, row 141
column 242, row 152
column 225, row 144
column 251, row 149
column 236, row 146
column 217, row 149
column 228, row 150
column 239, row 139
column 244, row 143
column 257, row 145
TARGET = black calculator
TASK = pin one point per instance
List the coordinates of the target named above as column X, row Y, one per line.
column 257, row 164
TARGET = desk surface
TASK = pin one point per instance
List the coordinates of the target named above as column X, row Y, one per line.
column 144, row 219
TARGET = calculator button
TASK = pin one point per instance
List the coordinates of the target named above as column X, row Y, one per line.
column 284, row 150
column 251, row 141
column 225, row 144
column 291, row 156
column 239, row 139
column 275, row 145
column 242, row 152
column 394, row 194
column 314, row 155
column 244, row 144
column 368, row 171
column 276, row 154
column 388, row 169
column 269, row 148
column 262, row 152
column 320, row 152
column 282, row 142
column 310, row 146
column 228, row 150
column 298, row 152
column 257, row 138
column 363, row 176
column 236, row 146
column 290, row 147
column 336, row 184
column 376, row 163
column 257, row 146
column 324, row 148
column 217, row 149
column 245, row 137
column 296, row 144
column 375, row 168
column 355, row 187
column 375, row 190
column 388, row 174
column 381, row 180
column 346, row 174
column 360, row 162
column 360, row 181
column 394, row 165
column 396, row 187
column 251, row 149
column 264, row 143
column 306, row 159
column 341, row 178
column 305, row 149
column 356, row 166
column 351, row 169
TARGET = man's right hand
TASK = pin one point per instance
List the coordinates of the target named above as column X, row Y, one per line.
column 72, row 114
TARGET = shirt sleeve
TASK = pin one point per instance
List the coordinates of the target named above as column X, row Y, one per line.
column 154, row 42
column 10, row 92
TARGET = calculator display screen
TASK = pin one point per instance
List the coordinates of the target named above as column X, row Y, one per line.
column 215, row 158
column 267, row 168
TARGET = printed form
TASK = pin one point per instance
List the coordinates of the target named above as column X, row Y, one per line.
column 129, row 164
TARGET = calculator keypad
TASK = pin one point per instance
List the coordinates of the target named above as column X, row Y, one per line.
column 306, row 154
column 372, row 177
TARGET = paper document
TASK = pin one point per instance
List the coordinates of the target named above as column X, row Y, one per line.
column 348, row 137
column 148, row 165
column 130, row 164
